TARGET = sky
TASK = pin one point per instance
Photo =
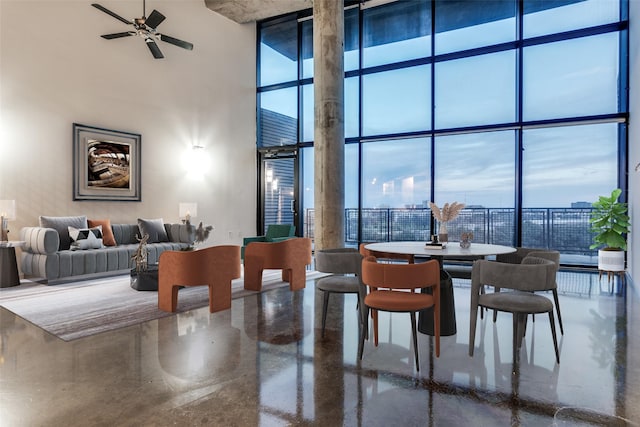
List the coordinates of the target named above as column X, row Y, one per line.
column 563, row 79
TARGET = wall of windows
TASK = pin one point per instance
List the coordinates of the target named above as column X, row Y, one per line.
column 516, row 108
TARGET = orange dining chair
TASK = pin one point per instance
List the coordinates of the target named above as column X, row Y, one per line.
column 388, row 256
column 392, row 288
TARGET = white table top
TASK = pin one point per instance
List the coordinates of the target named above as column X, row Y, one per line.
column 452, row 249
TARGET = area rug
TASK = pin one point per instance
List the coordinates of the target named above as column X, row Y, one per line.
column 79, row 309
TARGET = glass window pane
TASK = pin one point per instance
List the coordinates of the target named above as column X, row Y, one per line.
column 396, row 173
column 351, row 191
column 307, row 185
column 583, row 160
column 470, row 24
column 565, row 169
column 279, row 53
column 396, row 32
column 278, row 117
column 307, row 113
column 307, row 49
column 554, row 16
column 278, row 191
column 351, row 39
column 396, row 186
column 351, row 110
column 475, row 91
column 571, row 78
column 397, row 101
column 478, row 170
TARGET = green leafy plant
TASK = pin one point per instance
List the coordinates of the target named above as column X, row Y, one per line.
column 610, row 222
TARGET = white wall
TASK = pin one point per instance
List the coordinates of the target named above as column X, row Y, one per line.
column 633, row 260
column 55, row 70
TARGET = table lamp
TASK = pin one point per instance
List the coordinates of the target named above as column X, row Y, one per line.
column 187, row 210
column 7, row 212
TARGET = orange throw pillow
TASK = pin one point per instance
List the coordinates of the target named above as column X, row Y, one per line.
column 107, row 233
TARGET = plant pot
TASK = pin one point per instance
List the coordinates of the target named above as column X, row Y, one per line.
column 611, row 260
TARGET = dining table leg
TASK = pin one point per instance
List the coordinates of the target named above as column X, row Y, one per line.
column 447, row 309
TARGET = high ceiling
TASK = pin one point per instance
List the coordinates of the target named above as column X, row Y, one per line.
column 244, row 11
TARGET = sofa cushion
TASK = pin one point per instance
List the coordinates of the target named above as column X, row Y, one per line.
column 126, row 234
column 154, row 228
column 85, row 238
column 107, row 233
column 61, row 224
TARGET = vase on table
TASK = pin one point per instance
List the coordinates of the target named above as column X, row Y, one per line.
column 465, row 240
column 443, row 234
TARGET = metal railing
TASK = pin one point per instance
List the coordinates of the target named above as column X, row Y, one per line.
column 563, row 229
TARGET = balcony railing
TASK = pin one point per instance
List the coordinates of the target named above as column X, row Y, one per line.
column 563, row 229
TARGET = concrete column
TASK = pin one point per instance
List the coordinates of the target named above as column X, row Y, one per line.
column 328, row 52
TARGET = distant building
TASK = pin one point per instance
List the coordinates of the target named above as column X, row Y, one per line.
column 581, row 205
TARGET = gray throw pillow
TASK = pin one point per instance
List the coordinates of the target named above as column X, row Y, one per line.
column 61, row 224
column 154, row 228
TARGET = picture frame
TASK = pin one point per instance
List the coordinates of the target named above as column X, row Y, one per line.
column 106, row 164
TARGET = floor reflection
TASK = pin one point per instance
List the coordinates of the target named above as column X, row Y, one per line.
column 191, row 347
column 265, row 363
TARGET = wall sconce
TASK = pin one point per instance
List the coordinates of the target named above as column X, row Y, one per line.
column 7, row 212
column 197, row 163
column 187, row 210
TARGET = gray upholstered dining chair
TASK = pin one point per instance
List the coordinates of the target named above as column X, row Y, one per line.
column 522, row 280
column 345, row 265
column 520, row 254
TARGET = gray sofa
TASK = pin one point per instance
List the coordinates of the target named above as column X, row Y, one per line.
column 47, row 255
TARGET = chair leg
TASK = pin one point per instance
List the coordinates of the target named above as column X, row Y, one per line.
column 518, row 333
column 553, row 334
column 515, row 336
column 374, row 314
column 362, row 332
column 472, row 327
column 557, row 303
column 325, row 306
column 415, row 339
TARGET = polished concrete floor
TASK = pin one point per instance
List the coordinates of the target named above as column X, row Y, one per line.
column 264, row 363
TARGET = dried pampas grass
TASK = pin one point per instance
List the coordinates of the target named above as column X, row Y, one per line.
column 448, row 211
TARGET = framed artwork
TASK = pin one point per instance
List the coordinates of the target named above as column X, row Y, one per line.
column 106, row 164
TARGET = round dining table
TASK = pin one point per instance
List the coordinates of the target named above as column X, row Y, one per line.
column 451, row 250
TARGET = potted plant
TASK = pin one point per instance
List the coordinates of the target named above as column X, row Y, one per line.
column 610, row 223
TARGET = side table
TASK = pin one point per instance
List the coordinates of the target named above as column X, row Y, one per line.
column 8, row 265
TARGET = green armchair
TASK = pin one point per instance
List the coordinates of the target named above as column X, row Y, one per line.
column 275, row 233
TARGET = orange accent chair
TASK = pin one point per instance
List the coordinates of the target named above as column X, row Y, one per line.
column 215, row 267
column 292, row 256
column 392, row 288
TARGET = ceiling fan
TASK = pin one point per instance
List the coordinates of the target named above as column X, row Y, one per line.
column 145, row 28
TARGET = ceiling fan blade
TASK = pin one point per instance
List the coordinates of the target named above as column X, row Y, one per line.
column 177, row 42
column 155, row 50
column 154, row 19
column 108, row 12
column 117, row 35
